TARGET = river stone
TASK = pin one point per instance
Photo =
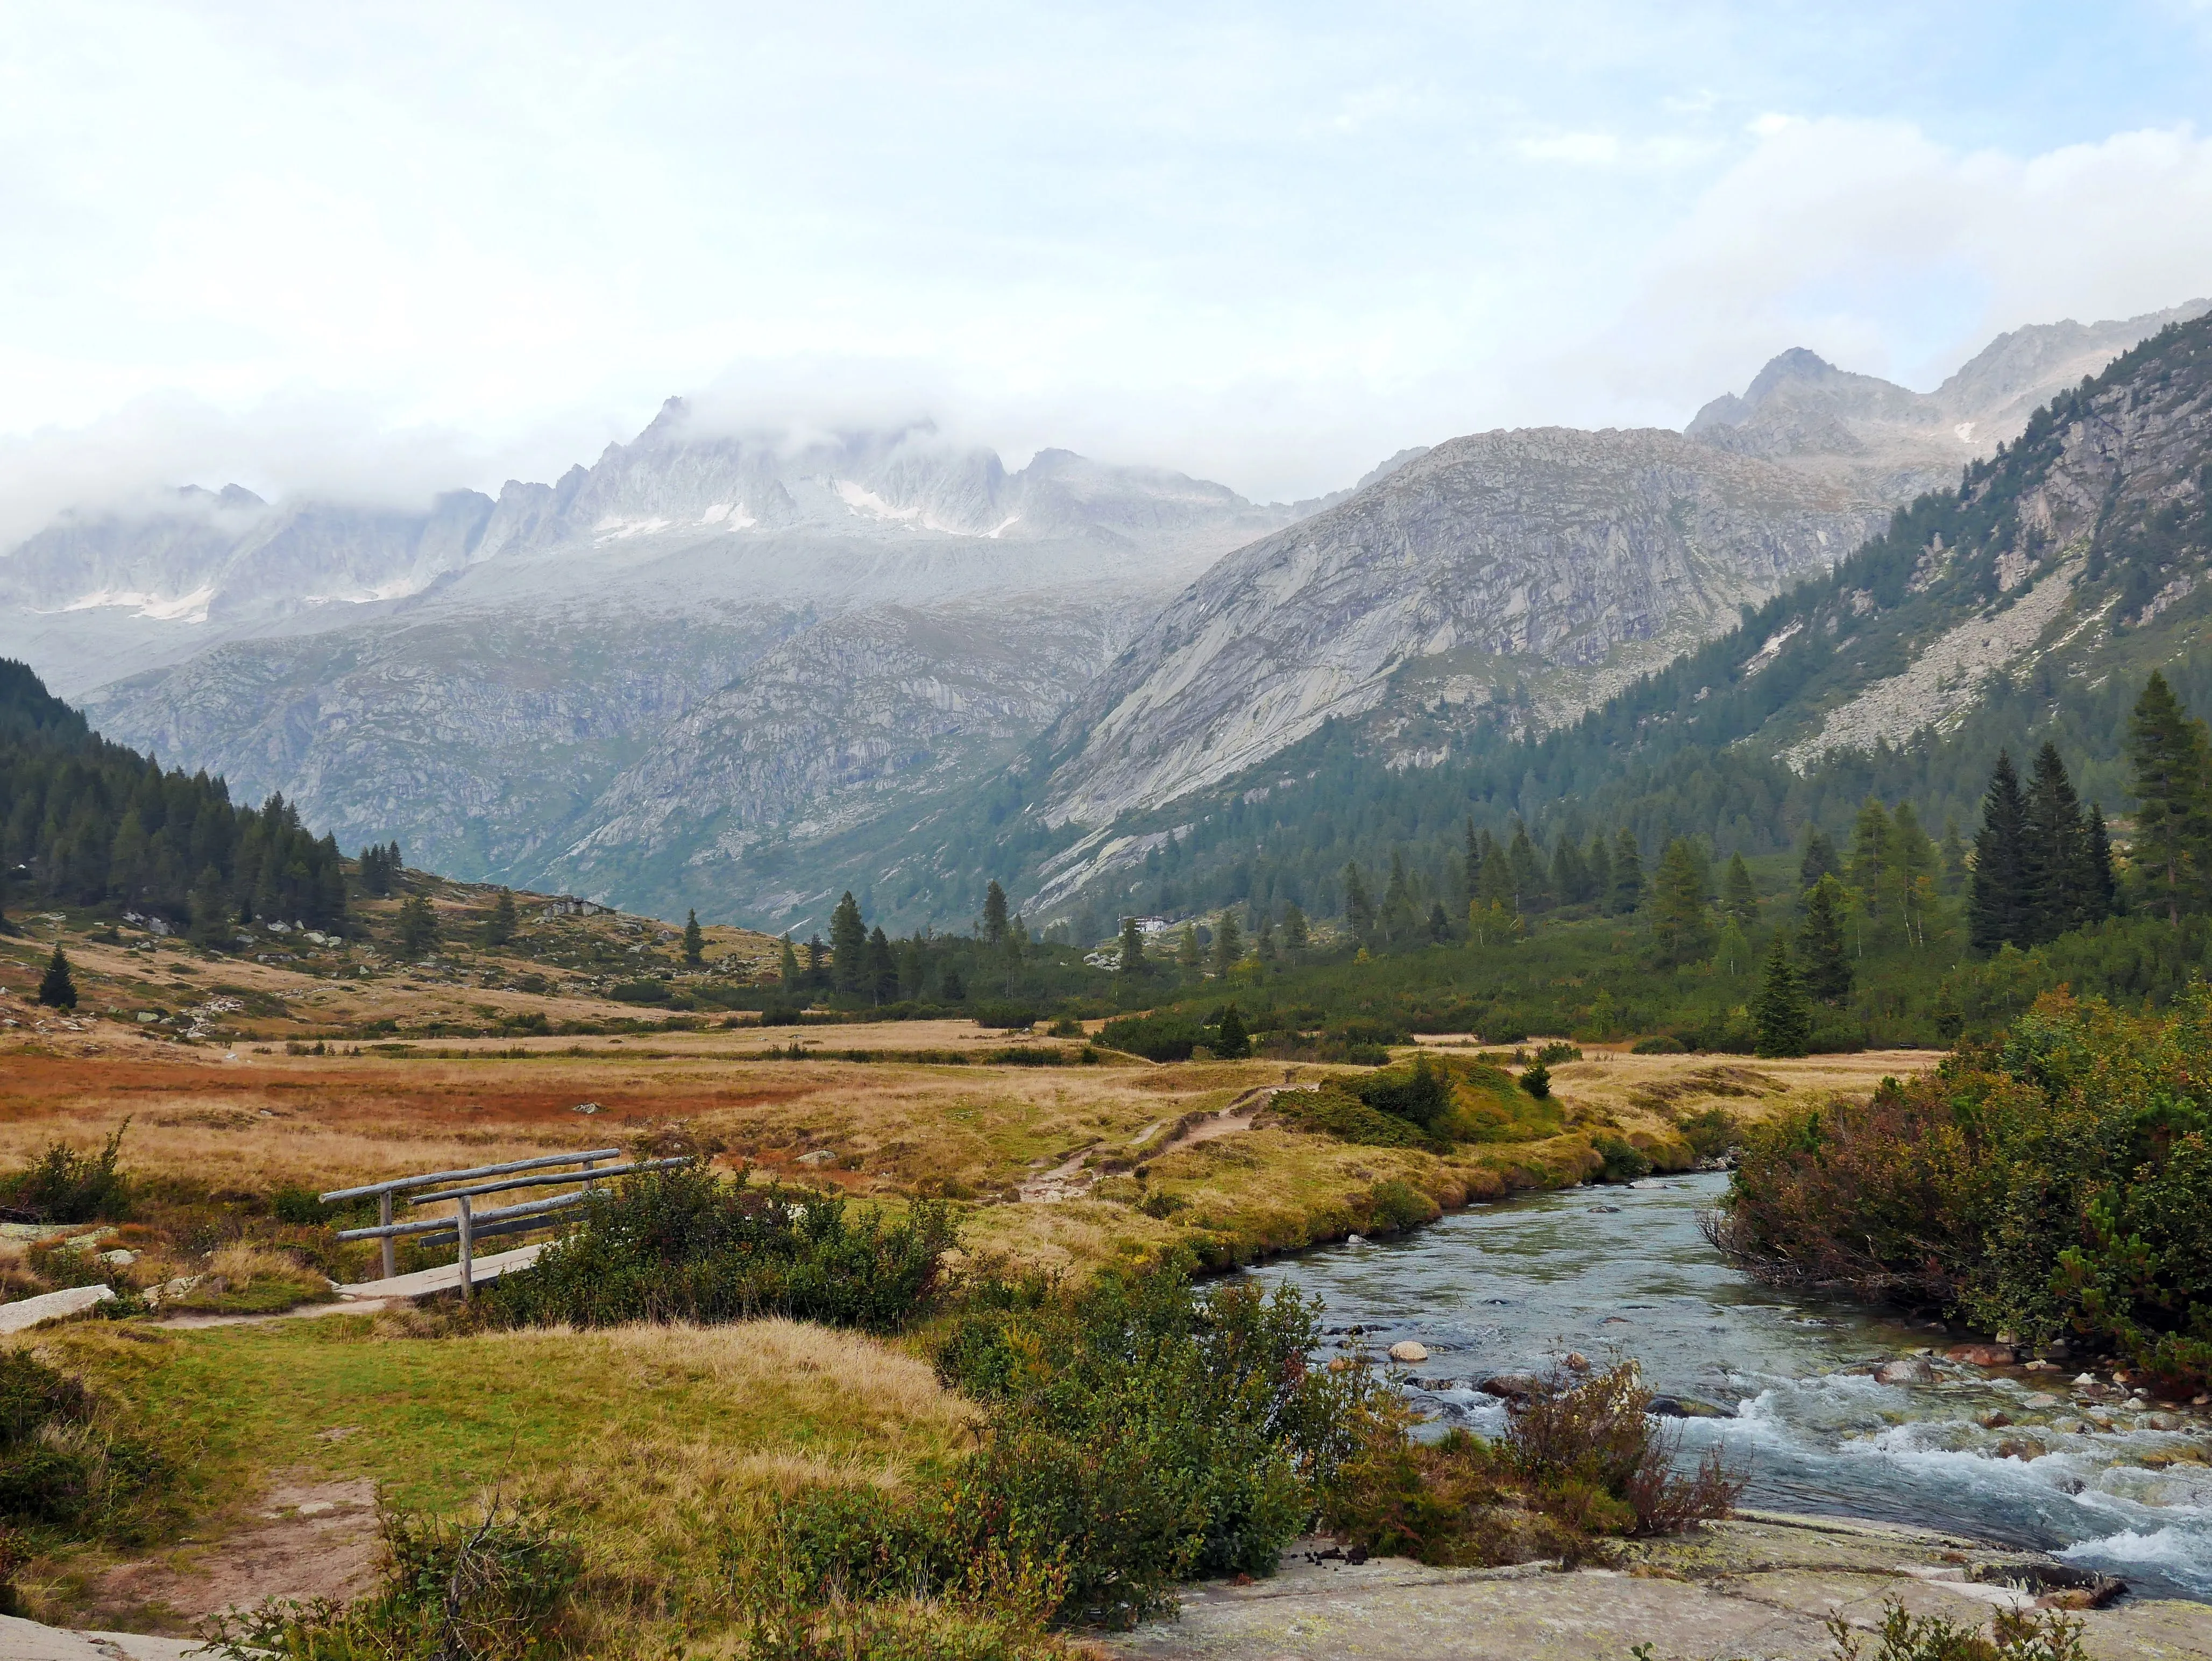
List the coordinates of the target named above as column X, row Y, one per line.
column 1981, row 1355
column 1684, row 1407
column 1906, row 1370
column 1511, row 1386
column 2041, row 1399
column 1406, row 1350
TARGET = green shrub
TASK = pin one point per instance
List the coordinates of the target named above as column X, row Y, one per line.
column 1711, row 1132
column 1536, row 1080
column 64, row 1185
column 499, row 1590
column 2057, row 1180
column 300, row 1208
column 1623, row 1160
column 1557, row 1052
column 1581, row 1460
column 1155, row 1037
column 1420, row 1093
column 1140, row 1433
column 1395, row 1204
column 1011, row 1017
column 1334, row 1111
column 1659, row 1044
column 62, row 1464
column 685, row 1245
column 640, row 991
column 2015, row 1635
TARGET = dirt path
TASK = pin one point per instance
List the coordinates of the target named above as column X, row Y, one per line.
column 1072, row 1179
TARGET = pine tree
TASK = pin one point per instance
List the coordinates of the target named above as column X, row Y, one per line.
column 418, row 926
column 1599, row 863
column 1188, row 957
column 883, row 975
column 1398, row 916
column 2055, row 858
column 500, row 928
column 818, row 963
column 1228, row 942
column 1132, row 947
column 1784, row 1024
column 1358, row 909
column 1529, row 893
column 1956, row 872
column 1263, row 943
column 1871, row 836
column 2103, row 891
column 1439, row 922
column 1996, row 912
column 1627, row 876
column 1819, row 860
column 2169, row 753
column 1569, row 876
column 695, row 942
column 1739, row 894
column 1681, row 931
column 1827, row 972
column 848, row 945
column 789, row 969
column 57, row 987
column 1297, row 936
column 1232, row 1041
column 994, row 913
column 1732, row 950
column 1496, row 888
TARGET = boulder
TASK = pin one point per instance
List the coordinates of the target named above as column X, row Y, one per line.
column 1511, row 1386
column 1981, row 1355
column 50, row 1305
column 1408, row 1351
column 1906, row 1370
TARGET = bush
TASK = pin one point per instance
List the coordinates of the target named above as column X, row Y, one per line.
column 1014, row 1017
column 2015, row 1635
column 1421, row 1094
column 2057, row 1180
column 640, row 991
column 61, row 1466
column 1623, row 1160
column 1557, row 1052
column 1711, row 1132
column 1334, row 1111
column 64, row 1185
column 1581, row 1460
column 685, row 1245
column 1536, row 1080
column 1144, row 1432
column 1155, row 1037
column 498, row 1590
column 1659, row 1044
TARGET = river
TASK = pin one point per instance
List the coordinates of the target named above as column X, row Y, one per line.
column 1623, row 1271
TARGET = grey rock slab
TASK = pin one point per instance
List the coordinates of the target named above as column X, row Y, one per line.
column 50, row 1305
column 27, row 1640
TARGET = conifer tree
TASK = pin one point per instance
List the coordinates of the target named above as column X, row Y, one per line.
column 2104, row 890
column 1819, row 859
column 994, row 913
column 1599, row 863
column 1955, row 870
column 1470, row 866
column 1398, row 916
column 789, row 969
column 1995, row 909
column 1872, row 835
column 1263, row 943
column 1228, row 942
column 1132, row 947
column 418, row 926
column 1911, row 878
column 1627, row 876
column 1681, row 931
column 1232, row 1040
column 2055, row 875
column 1297, row 936
column 1188, row 957
column 848, row 945
column 818, row 963
column 1529, row 890
column 1739, row 894
column 883, row 975
column 695, row 939
column 1358, row 909
column 499, row 928
column 1497, row 885
column 57, row 987
column 1569, row 877
column 1827, row 972
column 1439, row 922
column 2169, row 754
column 1784, row 1025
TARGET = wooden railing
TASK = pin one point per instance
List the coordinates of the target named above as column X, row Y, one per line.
column 468, row 1225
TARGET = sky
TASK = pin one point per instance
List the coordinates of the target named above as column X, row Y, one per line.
column 372, row 252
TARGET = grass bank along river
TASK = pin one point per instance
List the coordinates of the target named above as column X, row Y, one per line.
column 2005, row 1455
